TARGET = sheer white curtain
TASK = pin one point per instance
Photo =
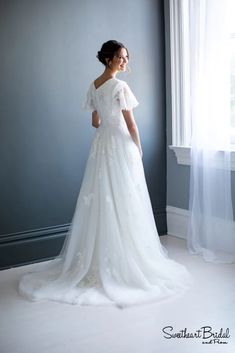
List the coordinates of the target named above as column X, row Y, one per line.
column 211, row 230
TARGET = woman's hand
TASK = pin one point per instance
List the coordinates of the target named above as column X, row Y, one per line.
column 95, row 119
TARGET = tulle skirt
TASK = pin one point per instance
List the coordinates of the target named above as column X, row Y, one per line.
column 112, row 254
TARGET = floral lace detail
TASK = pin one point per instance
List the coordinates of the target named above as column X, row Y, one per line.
column 101, row 95
column 77, row 264
column 109, row 268
column 92, row 279
column 94, row 145
column 112, row 149
column 109, row 201
column 79, row 256
column 88, row 198
column 80, row 259
column 109, row 148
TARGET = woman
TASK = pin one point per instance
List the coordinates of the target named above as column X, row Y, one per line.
column 112, row 253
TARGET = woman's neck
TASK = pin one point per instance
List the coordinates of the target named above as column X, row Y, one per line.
column 108, row 73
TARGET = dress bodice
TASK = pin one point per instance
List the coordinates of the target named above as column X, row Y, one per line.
column 109, row 100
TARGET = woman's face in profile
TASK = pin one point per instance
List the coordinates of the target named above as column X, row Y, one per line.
column 120, row 60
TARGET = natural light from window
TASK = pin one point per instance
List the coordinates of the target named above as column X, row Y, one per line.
column 232, row 48
column 180, row 91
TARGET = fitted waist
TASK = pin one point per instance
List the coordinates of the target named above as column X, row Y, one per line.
column 112, row 124
column 113, row 128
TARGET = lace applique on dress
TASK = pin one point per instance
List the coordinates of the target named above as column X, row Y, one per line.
column 109, row 201
column 88, row 198
column 123, row 94
column 92, row 279
column 94, row 145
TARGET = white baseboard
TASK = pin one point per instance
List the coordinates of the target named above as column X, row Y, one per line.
column 177, row 221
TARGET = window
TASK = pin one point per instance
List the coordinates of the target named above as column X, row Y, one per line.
column 233, row 87
column 181, row 124
column 232, row 51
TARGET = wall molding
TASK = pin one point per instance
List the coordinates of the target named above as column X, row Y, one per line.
column 160, row 219
column 28, row 247
column 33, row 234
column 183, row 155
column 177, row 222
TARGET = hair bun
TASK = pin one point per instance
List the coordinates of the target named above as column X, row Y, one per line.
column 109, row 50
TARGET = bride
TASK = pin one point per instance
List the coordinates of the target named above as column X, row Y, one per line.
column 112, row 254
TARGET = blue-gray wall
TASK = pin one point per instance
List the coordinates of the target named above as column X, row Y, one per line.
column 48, row 59
column 178, row 176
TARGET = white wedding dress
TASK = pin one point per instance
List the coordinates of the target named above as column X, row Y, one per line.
column 112, row 254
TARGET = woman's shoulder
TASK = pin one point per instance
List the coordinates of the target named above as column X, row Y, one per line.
column 120, row 82
column 119, row 85
column 123, row 93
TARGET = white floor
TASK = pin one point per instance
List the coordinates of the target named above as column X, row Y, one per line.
column 50, row 327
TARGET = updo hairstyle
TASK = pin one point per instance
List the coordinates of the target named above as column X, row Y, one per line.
column 108, row 50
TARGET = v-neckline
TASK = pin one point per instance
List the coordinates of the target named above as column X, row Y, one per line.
column 112, row 78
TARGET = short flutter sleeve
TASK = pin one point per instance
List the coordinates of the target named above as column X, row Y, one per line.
column 89, row 103
column 125, row 97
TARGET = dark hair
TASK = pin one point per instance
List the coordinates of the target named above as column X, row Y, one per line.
column 108, row 50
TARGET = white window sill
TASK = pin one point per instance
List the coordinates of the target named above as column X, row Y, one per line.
column 182, row 154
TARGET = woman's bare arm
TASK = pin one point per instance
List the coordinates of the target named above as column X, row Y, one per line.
column 95, row 119
column 132, row 127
